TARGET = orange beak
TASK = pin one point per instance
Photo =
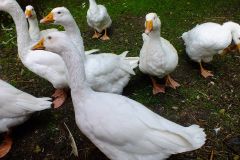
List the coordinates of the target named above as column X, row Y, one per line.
column 48, row 19
column 28, row 13
column 149, row 27
column 39, row 45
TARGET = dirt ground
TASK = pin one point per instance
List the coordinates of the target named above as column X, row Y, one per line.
column 211, row 103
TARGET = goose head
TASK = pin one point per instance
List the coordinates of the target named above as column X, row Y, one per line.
column 30, row 12
column 236, row 38
column 235, row 31
column 152, row 23
column 59, row 15
column 54, row 42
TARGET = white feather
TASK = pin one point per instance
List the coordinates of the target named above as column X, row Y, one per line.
column 206, row 40
column 16, row 106
column 98, row 17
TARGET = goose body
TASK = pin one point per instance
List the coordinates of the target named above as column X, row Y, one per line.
column 98, row 18
column 15, row 108
column 120, row 127
column 105, row 72
column 208, row 39
column 158, row 57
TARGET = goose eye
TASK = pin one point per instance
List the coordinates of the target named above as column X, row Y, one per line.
column 59, row 12
column 239, row 38
column 49, row 37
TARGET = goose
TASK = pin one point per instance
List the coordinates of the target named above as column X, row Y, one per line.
column 98, row 19
column 49, row 66
column 158, row 57
column 119, row 126
column 15, row 108
column 34, row 30
column 104, row 69
column 209, row 39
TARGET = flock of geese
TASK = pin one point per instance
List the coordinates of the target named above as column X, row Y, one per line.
column 120, row 127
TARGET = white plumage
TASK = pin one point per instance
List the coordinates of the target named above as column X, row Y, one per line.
column 205, row 40
column 34, row 30
column 121, row 128
column 105, row 72
column 158, row 57
column 48, row 65
column 16, row 106
column 98, row 17
column 208, row 39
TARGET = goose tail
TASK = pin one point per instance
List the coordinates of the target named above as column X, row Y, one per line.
column 133, row 61
column 127, row 64
column 198, row 136
column 91, row 51
column 43, row 103
column 184, row 36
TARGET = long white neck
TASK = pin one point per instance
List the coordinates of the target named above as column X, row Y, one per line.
column 232, row 26
column 34, row 30
column 93, row 5
column 23, row 38
column 76, row 70
column 74, row 33
column 155, row 34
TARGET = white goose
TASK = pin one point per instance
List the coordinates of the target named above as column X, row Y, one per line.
column 108, row 70
column 99, row 19
column 121, row 128
column 158, row 57
column 34, row 30
column 47, row 65
column 208, row 39
column 15, row 108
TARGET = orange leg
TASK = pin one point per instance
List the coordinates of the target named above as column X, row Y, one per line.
column 59, row 97
column 205, row 73
column 6, row 145
column 105, row 36
column 96, row 34
column 157, row 88
column 171, row 82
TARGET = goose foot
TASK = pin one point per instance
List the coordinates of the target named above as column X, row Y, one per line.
column 59, row 97
column 157, row 88
column 6, row 145
column 205, row 73
column 171, row 82
column 105, row 36
column 96, row 35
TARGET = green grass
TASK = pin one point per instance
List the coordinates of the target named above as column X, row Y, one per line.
column 198, row 100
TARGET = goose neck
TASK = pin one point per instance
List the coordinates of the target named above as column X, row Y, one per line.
column 34, row 29
column 92, row 5
column 231, row 26
column 23, row 38
column 76, row 70
column 74, row 34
